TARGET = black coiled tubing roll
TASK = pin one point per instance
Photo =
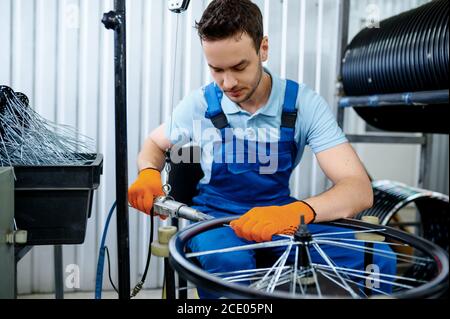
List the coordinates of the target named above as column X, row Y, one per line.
column 408, row 53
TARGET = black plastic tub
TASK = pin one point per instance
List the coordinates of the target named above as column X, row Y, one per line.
column 53, row 203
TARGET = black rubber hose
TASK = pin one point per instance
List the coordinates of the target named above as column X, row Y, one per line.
column 408, row 53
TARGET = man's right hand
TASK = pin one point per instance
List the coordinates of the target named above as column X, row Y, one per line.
column 145, row 189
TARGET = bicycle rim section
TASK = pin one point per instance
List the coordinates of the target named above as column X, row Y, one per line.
column 342, row 259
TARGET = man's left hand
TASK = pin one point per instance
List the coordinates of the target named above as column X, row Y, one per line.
column 261, row 223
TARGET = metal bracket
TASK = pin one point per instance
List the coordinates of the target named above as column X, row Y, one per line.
column 178, row 6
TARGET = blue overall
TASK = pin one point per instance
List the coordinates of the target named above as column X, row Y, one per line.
column 237, row 185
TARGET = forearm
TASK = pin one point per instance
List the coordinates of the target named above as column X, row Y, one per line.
column 151, row 156
column 346, row 199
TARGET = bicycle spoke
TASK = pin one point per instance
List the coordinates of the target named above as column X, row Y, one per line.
column 265, row 281
column 285, row 278
column 328, row 261
column 300, row 284
column 347, row 277
column 257, row 276
column 252, row 276
column 329, row 274
column 316, row 281
column 278, row 271
column 375, row 251
column 350, row 232
column 349, row 270
column 294, row 276
column 246, row 279
column 364, row 241
column 279, row 260
column 331, row 279
column 372, row 278
column 241, row 248
column 245, row 272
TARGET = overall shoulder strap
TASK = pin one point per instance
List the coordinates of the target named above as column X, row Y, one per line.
column 213, row 97
column 289, row 116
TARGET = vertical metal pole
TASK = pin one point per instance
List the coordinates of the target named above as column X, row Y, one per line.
column 117, row 22
column 182, row 283
column 425, row 160
column 59, row 282
column 122, row 152
column 169, row 279
column 343, row 29
column 426, row 153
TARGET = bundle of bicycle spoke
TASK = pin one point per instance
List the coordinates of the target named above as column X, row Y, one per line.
column 27, row 139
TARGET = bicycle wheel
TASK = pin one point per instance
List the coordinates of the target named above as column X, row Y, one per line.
column 421, row 266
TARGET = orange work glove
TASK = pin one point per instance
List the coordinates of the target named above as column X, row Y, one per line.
column 145, row 189
column 261, row 223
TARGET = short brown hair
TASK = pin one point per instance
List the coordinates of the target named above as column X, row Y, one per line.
column 226, row 18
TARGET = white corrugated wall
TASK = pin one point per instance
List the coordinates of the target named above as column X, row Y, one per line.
column 59, row 54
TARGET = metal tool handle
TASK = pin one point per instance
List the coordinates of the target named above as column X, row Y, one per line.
column 166, row 206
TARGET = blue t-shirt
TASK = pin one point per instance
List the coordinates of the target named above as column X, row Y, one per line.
column 316, row 125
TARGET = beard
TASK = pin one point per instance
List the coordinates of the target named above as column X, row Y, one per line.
column 253, row 87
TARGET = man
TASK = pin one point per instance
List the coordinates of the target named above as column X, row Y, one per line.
column 253, row 113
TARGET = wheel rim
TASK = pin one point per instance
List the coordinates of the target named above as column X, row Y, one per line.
column 434, row 287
